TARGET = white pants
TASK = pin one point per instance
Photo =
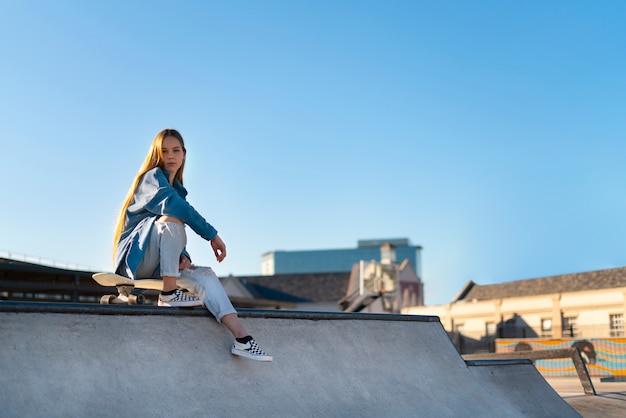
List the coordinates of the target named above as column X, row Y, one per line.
column 162, row 258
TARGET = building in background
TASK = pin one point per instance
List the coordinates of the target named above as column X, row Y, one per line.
column 383, row 286
column 369, row 280
column 382, row 276
column 338, row 260
column 28, row 281
column 584, row 310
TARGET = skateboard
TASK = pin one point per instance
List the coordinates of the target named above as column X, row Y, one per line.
column 125, row 288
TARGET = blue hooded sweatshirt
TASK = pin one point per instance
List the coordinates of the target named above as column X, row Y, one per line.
column 153, row 198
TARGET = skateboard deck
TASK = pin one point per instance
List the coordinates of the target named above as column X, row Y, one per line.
column 125, row 288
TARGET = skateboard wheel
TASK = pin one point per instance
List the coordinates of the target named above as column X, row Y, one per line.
column 136, row 299
column 107, row 299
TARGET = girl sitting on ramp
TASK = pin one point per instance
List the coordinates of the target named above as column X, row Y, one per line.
column 150, row 240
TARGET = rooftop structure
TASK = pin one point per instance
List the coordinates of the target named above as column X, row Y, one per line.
column 338, row 260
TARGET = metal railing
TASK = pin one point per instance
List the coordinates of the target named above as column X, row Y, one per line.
column 42, row 261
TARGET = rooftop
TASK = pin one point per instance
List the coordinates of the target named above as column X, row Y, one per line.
column 574, row 282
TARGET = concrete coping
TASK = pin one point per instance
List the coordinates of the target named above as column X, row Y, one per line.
column 96, row 309
column 501, row 362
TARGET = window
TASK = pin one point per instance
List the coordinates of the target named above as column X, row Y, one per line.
column 570, row 328
column 546, row 327
column 490, row 329
column 460, row 328
column 617, row 325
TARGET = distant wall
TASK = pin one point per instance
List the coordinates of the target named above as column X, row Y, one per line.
column 603, row 356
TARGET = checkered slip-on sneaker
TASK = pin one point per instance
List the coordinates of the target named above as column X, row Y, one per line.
column 179, row 299
column 250, row 350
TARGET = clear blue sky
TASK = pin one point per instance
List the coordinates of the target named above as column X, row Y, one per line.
column 492, row 133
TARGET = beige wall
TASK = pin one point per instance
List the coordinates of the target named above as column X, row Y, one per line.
column 590, row 308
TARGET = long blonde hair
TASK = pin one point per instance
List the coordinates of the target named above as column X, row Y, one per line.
column 153, row 159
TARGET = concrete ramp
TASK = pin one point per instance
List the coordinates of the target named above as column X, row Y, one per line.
column 89, row 360
column 520, row 383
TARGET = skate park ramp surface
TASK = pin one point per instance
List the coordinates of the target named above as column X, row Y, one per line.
column 59, row 360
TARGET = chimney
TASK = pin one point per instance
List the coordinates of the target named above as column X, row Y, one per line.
column 387, row 253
